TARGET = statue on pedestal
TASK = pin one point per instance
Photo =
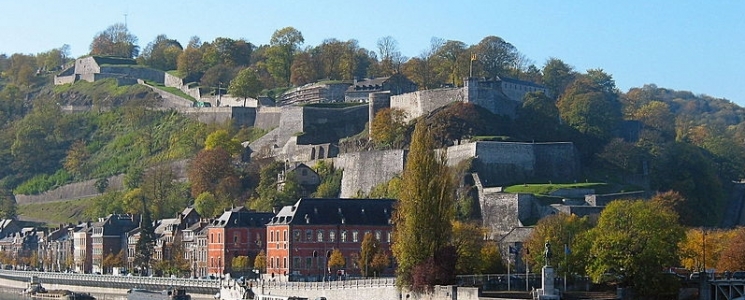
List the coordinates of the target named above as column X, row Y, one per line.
column 547, row 253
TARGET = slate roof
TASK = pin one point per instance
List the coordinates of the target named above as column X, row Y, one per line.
column 369, row 83
column 336, row 211
column 242, row 217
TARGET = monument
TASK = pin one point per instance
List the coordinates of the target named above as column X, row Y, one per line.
column 547, row 290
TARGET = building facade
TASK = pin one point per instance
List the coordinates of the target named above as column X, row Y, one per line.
column 237, row 232
column 301, row 237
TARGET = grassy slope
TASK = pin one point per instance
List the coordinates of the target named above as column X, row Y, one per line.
column 53, row 213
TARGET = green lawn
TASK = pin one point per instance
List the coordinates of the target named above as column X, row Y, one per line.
column 171, row 90
column 548, row 188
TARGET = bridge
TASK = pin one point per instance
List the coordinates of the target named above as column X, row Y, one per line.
column 725, row 289
column 110, row 283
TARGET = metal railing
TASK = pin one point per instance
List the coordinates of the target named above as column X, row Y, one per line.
column 118, row 282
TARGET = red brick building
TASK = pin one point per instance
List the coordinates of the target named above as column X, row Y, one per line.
column 300, row 237
column 237, row 232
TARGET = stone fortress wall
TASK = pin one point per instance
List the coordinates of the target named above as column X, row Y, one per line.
column 365, row 170
column 420, row 103
column 501, row 163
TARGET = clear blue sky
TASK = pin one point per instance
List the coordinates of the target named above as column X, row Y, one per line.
column 697, row 46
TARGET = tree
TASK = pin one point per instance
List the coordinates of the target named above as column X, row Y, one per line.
column 330, row 186
column 189, row 62
column 390, row 56
column 221, row 139
column 146, row 242
column 162, row 53
column 22, row 69
column 703, row 248
column 468, row 242
column 731, row 257
column 564, row 232
column 495, row 56
column 557, row 75
column 422, row 219
column 453, row 64
column 369, row 248
column 158, row 188
column 539, row 116
column 388, row 128
column 8, row 208
column 491, row 259
column 77, row 157
column 337, row 260
column 245, row 85
column 634, row 240
column 209, row 170
column 589, row 108
column 260, row 262
column 302, row 70
column 116, row 40
column 241, row 264
column 283, row 45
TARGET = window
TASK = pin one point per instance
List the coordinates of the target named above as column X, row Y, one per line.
column 378, row 235
column 296, row 235
column 236, row 240
column 355, row 236
column 319, row 237
column 308, row 262
column 343, row 236
column 284, row 235
column 296, row 263
column 388, row 236
column 309, row 235
column 332, row 236
column 271, row 235
column 284, row 262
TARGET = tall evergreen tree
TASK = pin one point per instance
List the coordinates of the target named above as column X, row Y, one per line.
column 146, row 243
column 426, row 208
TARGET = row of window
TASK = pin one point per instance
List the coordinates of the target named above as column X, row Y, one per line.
column 321, row 236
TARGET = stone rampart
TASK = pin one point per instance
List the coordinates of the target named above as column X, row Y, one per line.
column 604, row 199
column 326, row 125
column 268, row 117
column 136, row 72
column 77, row 190
column 500, row 163
column 85, row 189
column 365, row 170
column 501, row 212
column 377, row 102
column 239, row 116
column 65, row 79
column 579, row 210
column 290, row 125
column 86, row 65
column 420, row 103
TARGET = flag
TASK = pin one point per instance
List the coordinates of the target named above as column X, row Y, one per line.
column 567, row 251
column 513, row 250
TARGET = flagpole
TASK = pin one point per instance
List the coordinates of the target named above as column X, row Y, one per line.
column 566, row 253
column 508, row 270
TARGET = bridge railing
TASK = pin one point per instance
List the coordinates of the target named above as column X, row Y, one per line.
column 339, row 284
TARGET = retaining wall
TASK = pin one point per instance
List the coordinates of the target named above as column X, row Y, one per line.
column 365, row 170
